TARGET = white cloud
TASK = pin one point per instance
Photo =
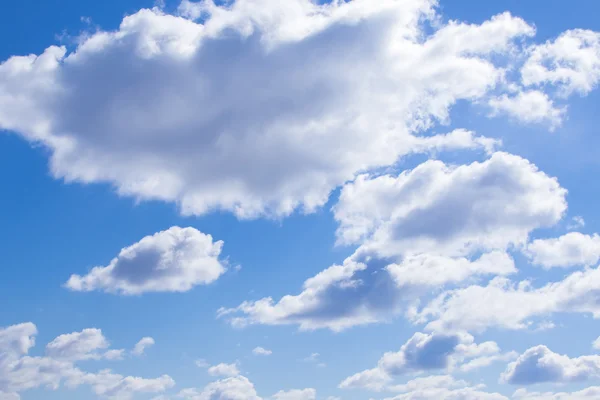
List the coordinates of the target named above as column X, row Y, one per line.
column 585, row 394
column 576, row 223
column 9, row 396
column 223, row 369
column 569, row 250
column 571, row 62
column 118, row 387
column 259, row 351
column 425, row 352
column 314, row 357
column 513, row 306
column 451, row 210
column 296, row 394
column 16, row 340
column 529, row 106
column 234, row 388
column 432, row 226
column 142, row 345
column 442, row 387
column 539, row 364
column 84, row 345
column 174, row 260
column 20, row 372
column 255, row 108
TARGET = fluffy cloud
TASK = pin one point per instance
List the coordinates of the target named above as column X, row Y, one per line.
column 424, row 352
column 585, row 394
column 569, row 250
column 224, row 370
column 20, row 372
column 513, row 306
column 259, row 351
column 174, row 260
column 296, row 394
column 432, row 226
column 450, row 210
column 441, row 387
column 255, row 107
column 84, row 345
column 142, row 345
column 234, row 388
column 539, row 364
column 529, row 106
column 118, row 387
column 571, row 62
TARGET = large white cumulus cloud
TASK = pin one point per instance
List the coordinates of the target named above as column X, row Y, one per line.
column 261, row 107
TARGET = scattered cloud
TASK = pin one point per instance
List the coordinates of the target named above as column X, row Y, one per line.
column 223, row 369
column 539, row 364
column 509, row 305
column 569, row 250
column 175, row 260
column 571, row 62
column 259, row 351
column 141, row 346
column 426, row 352
column 20, row 372
column 432, row 226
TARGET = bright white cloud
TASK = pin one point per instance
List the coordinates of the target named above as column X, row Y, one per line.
column 141, row 346
column 442, row 387
column 296, row 394
column 585, row 394
column 539, row 364
column 234, row 388
column 571, row 62
column 114, row 386
column 425, row 352
column 529, row 106
column 424, row 228
column 255, row 108
column 569, row 250
column 84, row 345
column 174, row 260
column 20, row 372
column 260, row 351
column 451, row 210
column 513, row 306
column 223, row 369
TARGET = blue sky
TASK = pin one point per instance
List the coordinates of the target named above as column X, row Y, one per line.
column 394, row 200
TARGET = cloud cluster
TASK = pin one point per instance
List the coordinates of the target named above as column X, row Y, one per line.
column 20, row 372
column 426, row 353
column 502, row 303
column 539, row 364
column 255, row 108
column 442, row 387
column 432, row 226
column 174, row 260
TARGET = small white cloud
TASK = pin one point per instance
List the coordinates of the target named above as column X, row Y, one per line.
column 529, row 106
column 296, row 394
column 142, row 345
column 259, row 351
column 228, row 370
column 571, row 62
column 175, row 260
